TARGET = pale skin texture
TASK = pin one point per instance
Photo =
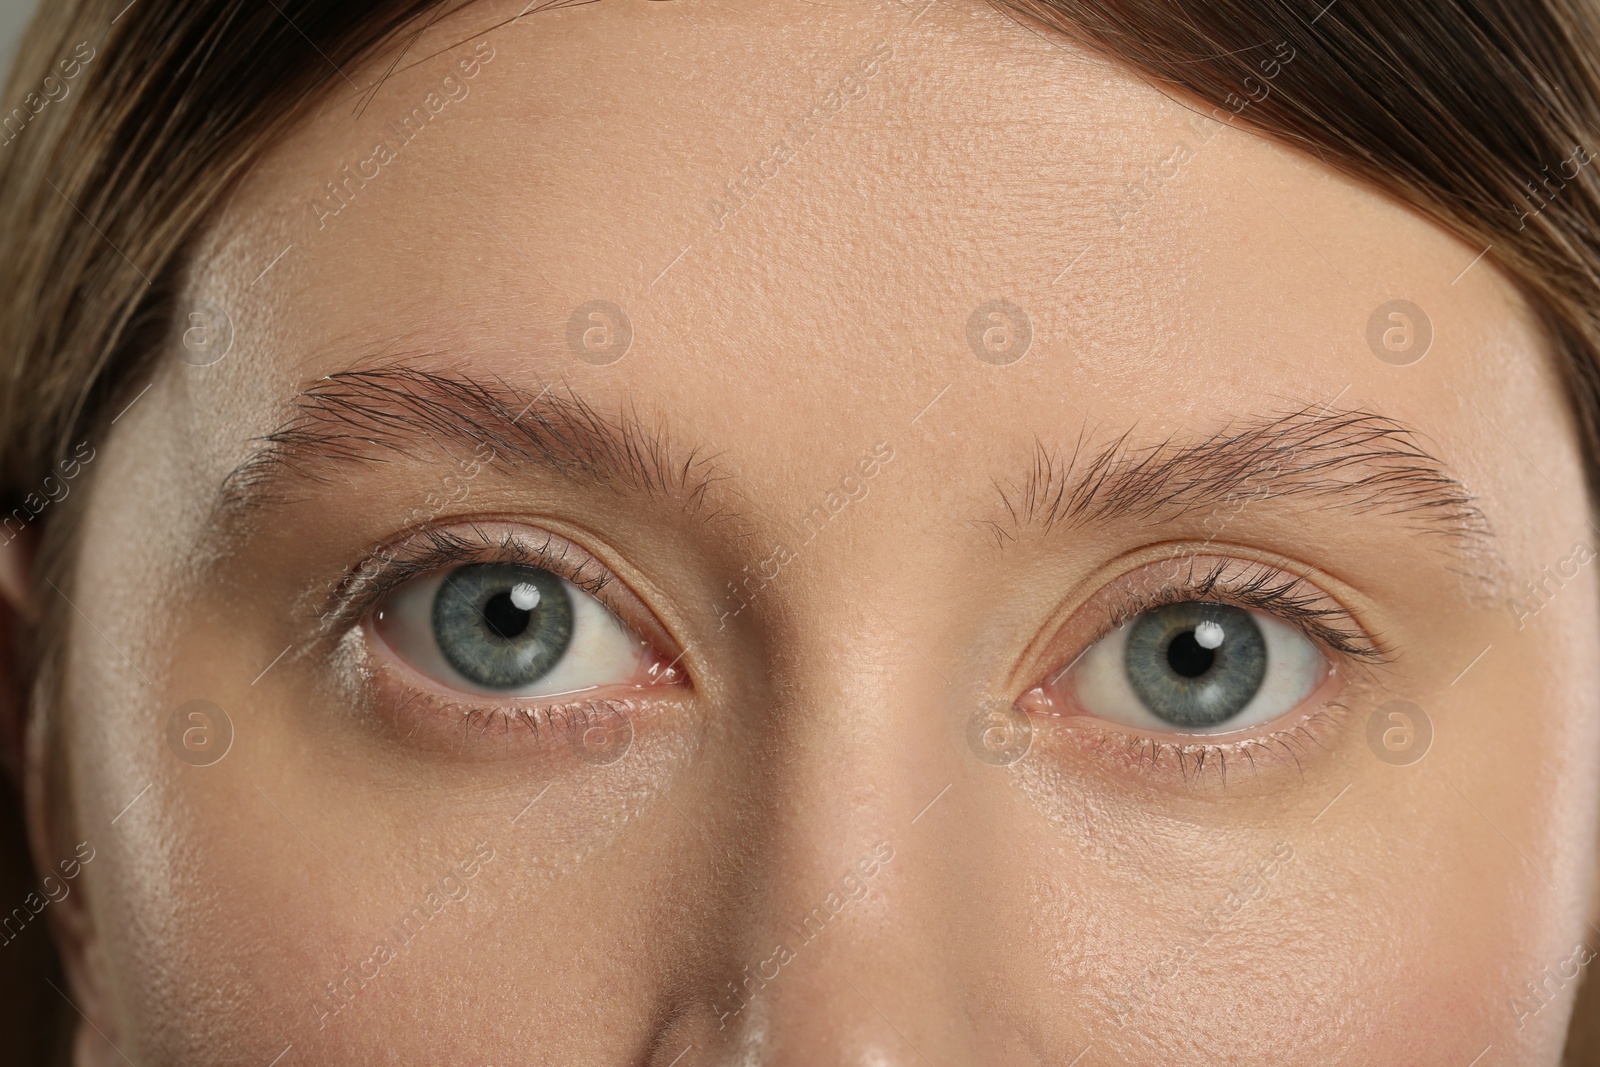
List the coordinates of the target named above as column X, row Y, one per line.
column 1397, row 909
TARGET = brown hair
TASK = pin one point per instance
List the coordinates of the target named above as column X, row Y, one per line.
column 1480, row 114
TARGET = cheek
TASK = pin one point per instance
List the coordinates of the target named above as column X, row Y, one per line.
column 1419, row 902
column 232, row 897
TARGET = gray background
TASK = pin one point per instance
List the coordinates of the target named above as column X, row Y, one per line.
column 14, row 15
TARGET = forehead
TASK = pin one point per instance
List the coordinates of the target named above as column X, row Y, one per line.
column 806, row 221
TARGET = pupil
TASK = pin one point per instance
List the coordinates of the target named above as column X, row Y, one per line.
column 1195, row 664
column 1187, row 657
column 503, row 625
column 505, row 618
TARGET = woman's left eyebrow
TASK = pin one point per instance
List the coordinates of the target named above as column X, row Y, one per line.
column 368, row 415
column 1358, row 461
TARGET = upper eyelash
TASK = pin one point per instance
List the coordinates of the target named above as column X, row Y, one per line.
column 432, row 549
column 1265, row 588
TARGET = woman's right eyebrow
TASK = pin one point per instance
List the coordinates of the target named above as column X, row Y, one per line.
column 376, row 414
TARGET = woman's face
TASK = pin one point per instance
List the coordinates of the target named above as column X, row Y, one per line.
column 724, row 535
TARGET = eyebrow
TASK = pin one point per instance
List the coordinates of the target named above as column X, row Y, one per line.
column 1356, row 461
column 371, row 415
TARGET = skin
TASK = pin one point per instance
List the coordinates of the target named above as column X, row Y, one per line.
column 1394, row 911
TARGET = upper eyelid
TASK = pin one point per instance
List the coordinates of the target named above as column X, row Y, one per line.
column 432, row 548
column 346, row 601
column 1248, row 590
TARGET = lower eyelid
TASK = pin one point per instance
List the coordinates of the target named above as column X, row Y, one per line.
column 1273, row 753
column 500, row 732
column 461, row 727
column 1269, row 759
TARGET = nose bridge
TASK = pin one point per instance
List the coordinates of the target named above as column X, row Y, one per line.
column 846, row 963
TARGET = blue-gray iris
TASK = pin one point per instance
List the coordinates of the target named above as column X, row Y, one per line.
column 1195, row 664
column 502, row 625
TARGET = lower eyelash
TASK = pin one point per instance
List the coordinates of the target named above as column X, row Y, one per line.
column 1193, row 760
column 545, row 725
column 542, row 720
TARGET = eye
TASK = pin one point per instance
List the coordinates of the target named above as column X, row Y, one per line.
column 1195, row 667
column 508, row 629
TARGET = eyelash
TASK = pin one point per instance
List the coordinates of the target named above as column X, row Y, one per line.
column 1146, row 753
column 426, row 551
column 476, row 720
column 434, row 549
column 1257, row 586
column 1263, row 588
